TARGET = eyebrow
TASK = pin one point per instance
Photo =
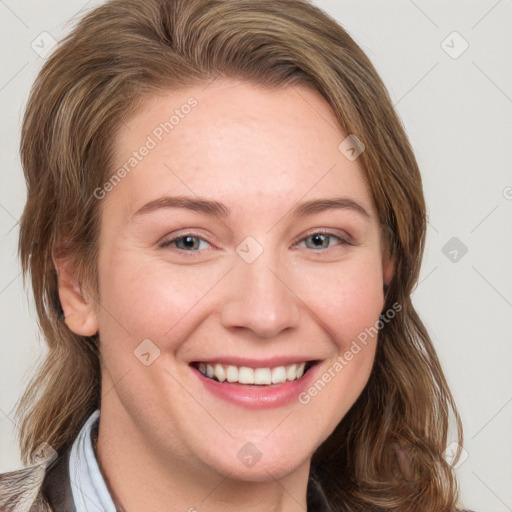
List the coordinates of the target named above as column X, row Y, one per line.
column 220, row 210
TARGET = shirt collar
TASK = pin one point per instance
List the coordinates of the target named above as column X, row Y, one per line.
column 90, row 493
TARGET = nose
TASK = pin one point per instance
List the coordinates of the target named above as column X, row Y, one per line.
column 260, row 298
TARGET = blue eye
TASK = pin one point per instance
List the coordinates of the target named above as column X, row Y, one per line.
column 321, row 240
column 190, row 242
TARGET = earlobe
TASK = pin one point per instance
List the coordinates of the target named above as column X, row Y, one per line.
column 79, row 311
column 388, row 271
column 388, row 258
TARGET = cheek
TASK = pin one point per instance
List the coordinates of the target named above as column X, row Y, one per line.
column 145, row 297
column 347, row 297
column 349, row 308
column 149, row 298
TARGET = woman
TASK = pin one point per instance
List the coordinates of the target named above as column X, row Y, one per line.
column 224, row 224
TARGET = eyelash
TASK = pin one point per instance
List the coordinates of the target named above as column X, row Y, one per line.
column 167, row 242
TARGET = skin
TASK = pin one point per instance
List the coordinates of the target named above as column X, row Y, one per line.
column 164, row 442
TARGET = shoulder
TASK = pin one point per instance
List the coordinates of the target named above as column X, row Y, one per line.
column 316, row 498
column 40, row 488
column 21, row 490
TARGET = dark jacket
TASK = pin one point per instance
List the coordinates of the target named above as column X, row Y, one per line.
column 36, row 489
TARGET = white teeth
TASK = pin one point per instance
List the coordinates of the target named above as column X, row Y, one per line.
column 232, row 374
column 278, row 375
column 291, row 372
column 219, row 372
column 247, row 375
column 262, row 376
column 300, row 370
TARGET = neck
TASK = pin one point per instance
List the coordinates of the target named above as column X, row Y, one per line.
column 139, row 480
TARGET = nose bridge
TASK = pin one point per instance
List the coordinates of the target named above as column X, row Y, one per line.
column 259, row 298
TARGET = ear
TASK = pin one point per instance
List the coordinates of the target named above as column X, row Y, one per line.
column 79, row 311
column 388, row 269
column 388, row 258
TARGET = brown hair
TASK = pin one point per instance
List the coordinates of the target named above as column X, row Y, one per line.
column 387, row 452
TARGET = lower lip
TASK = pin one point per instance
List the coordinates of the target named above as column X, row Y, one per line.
column 258, row 397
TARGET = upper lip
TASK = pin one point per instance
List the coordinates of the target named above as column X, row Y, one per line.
column 253, row 362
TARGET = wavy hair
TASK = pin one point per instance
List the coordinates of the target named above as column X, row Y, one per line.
column 387, row 452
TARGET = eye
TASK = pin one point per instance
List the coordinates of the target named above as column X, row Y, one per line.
column 321, row 240
column 186, row 242
column 189, row 242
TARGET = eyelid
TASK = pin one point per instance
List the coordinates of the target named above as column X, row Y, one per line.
column 167, row 240
column 345, row 239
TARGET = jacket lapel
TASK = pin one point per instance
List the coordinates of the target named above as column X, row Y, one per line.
column 56, row 487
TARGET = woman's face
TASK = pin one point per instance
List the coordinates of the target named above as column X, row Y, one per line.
column 218, row 251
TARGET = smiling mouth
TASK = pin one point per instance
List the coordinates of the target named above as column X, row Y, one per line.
column 230, row 374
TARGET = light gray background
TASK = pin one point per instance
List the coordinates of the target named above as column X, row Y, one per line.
column 458, row 114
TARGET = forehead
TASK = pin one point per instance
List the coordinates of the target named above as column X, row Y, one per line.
column 236, row 142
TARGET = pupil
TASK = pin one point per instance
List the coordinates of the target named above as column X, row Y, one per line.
column 189, row 241
column 318, row 238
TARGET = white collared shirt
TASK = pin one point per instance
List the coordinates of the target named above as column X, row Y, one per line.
column 90, row 493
